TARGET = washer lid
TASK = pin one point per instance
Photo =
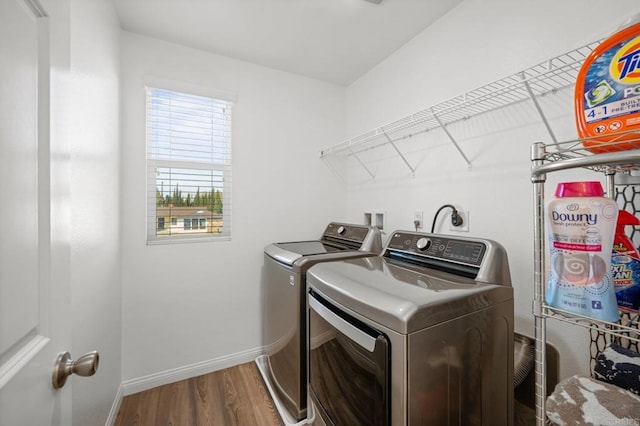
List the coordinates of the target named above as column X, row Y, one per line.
column 401, row 297
column 289, row 253
column 308, row 248
column 337, row 238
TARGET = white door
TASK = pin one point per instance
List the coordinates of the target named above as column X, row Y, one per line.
column 33, row 294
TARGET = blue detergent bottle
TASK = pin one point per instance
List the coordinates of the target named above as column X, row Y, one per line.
column 625, row 265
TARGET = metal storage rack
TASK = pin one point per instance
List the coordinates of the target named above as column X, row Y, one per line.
column 548, row 158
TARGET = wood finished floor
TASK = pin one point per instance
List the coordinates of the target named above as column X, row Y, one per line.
column 235, row 396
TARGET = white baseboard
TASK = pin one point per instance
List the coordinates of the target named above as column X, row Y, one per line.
column 113, row 413
column 181, row 373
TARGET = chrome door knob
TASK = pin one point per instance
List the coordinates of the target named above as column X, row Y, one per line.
column 86, row 365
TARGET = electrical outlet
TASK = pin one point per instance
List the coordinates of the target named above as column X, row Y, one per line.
column 417, row 219
column 464, row 215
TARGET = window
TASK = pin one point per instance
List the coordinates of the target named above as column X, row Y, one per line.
column 189, row 167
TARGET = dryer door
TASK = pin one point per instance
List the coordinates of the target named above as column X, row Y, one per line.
column 349, row 367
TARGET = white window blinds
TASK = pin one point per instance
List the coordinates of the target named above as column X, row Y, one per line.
column 188, row 167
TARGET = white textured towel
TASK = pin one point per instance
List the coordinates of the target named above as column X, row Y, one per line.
column 585, row 401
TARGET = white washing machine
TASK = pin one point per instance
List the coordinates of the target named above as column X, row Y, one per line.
column 284, row 363
column 420, row 335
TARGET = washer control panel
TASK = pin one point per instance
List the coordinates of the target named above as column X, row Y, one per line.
column 347, row 232
column 438, row 247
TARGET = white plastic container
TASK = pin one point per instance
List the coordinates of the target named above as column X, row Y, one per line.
column 581, row 224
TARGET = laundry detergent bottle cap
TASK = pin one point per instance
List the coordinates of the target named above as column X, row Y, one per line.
column 579, row 189
column 607, row 92
column 625, row 218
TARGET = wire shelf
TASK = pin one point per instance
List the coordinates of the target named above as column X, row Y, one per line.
column 626, row 329
column 622, row 156
column 547, row 77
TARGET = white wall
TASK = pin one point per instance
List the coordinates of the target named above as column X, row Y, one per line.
column 475, row 44
column 85, row 145
column 196, row 303
column 93, row 98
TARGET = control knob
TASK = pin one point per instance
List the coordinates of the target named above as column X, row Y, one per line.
column 423, row 243
column 341, row 230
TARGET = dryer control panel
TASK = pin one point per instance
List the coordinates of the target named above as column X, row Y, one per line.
column 443, row 248
column 481, row 259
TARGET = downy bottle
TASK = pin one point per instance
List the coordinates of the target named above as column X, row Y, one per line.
column 581, row 223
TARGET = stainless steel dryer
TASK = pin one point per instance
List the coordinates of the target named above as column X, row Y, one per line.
column 284, row 365
column 420, row 335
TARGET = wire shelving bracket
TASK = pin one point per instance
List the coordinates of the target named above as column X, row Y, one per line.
column 547, row 77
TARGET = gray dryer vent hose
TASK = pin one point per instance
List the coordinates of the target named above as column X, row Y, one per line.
column 523, row 357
